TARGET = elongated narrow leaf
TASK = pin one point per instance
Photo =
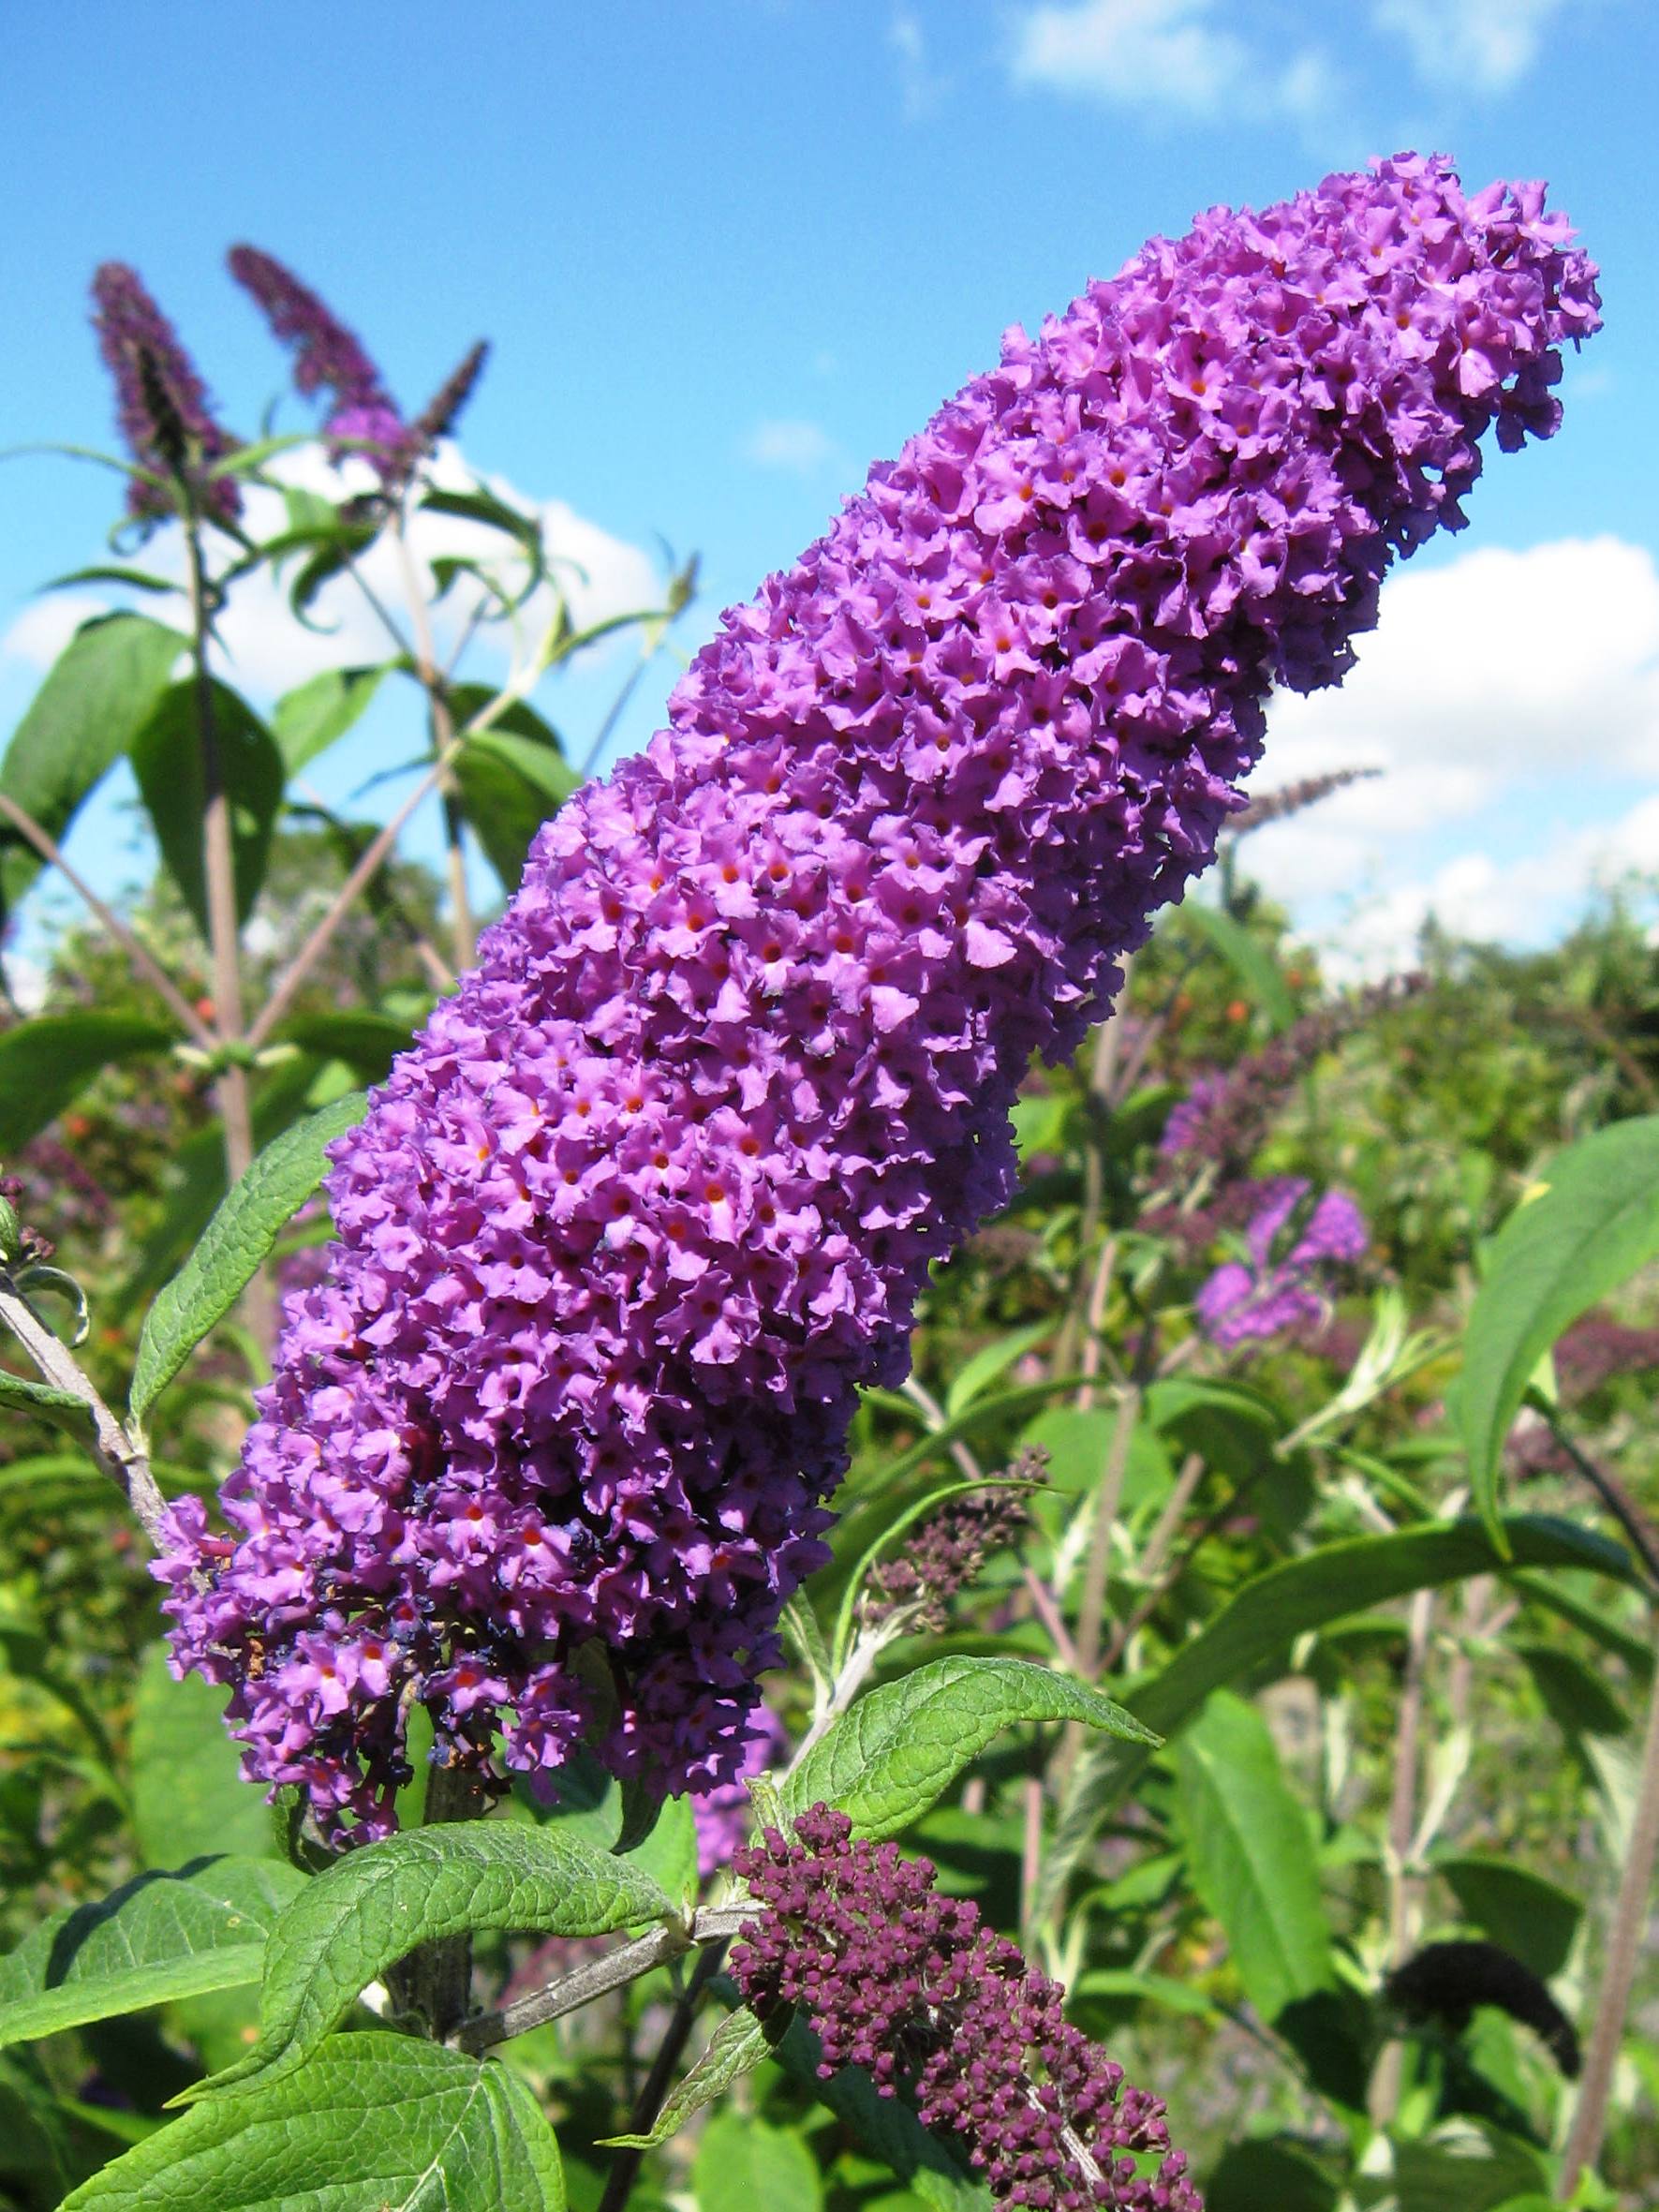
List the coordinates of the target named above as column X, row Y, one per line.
column 1523, row 1911
column 373, row 1907
column 990, row 1362
column 1266, row 1616
column 23, row 1394
column 885, row 1762
column 1251, row 1854
column 97, row 697
column 307, row 721
column 735, row 2048
column 743, row 2162
column 155, row 1939
column 375, row 2123
column 167, row 759
column 1250, row 960
column 233, row 1246
column 510, row 785
column 47, row 1063
column 367, row 1043
column 1595, row 1222
column 884, row 2127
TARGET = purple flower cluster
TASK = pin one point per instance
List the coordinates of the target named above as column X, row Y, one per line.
column 944, row 1553
column 161, row 401
column 722, row 1816
column 656, row 1191
column 940, row 2008
column 362, row 416
column 1253, row 1299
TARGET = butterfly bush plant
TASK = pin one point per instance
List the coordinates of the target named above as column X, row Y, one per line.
column 730, row 1596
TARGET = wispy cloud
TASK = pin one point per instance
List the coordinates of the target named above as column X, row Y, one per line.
column 797, row 448
column 1181, row 56
column 922, row 88
column 1488, row 44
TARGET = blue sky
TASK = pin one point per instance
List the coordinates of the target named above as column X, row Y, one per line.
column 728, row 252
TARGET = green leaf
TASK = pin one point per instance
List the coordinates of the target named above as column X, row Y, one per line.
column 374, row 1906
column 156, row 1939
column 509, row 787
column 34, row 2151
column 885, row 1762
column 735, row 2048
column 234, row 1245
column 188, row 1798
column 1251, row 1854
column 1261, row 1623
column 990, row 1362
column 375, row 2123
column 23, row 1394
column 1269, row 2171
column 97, row 697
column 1250, row 960
column 46, row 1062
column 1528, row 1915
column 307, row 721
column 115, row 572
column 668, row 1856
column 1595, row 1223
column 1464, row 2166
column 367, row 1043
column 744, row 2164
column 884, row 2128
column 1574, row 1695
column 167, row 761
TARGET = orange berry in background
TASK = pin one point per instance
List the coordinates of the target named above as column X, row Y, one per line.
column 76, row 1126
column 1295, row 977
column 1238, row 1011
column 1180, row 1006
column 205, row 1007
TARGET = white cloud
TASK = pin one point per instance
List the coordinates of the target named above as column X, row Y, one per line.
column 1488, row 43
column 267, row 651
column 1175, row 54
column 798, row 448
column 921, row 86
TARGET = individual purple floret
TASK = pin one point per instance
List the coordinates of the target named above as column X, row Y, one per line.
column 938, row 2009
column 1252, row 1301
column 161, row 402
column 655, row 1192
column 362, row 416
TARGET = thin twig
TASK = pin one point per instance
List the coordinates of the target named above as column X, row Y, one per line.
column 1402, row 1825
column 116, row 1453
column 1177, row 1566
column 1622, row 1954
column 714, row 1925
column 625, row 2164
column 142, row 961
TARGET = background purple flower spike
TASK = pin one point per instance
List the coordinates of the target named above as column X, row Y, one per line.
column 155, row 377
column 656, row 1191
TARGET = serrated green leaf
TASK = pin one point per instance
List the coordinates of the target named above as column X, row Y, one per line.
column 887, row 1759
column 1265, row 1618
column 159, row 1937
column 188, row 1798
column 307, row 721
column 375, row 2123
column 1251, row 1854
column 235, row 1244
column 668, row 1856
column 1595, row 1225
column 376, row 1905
column 167, row 760
column 735, row 2048
column 46, row 1062
column 97, row 697
column 744, row 2162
